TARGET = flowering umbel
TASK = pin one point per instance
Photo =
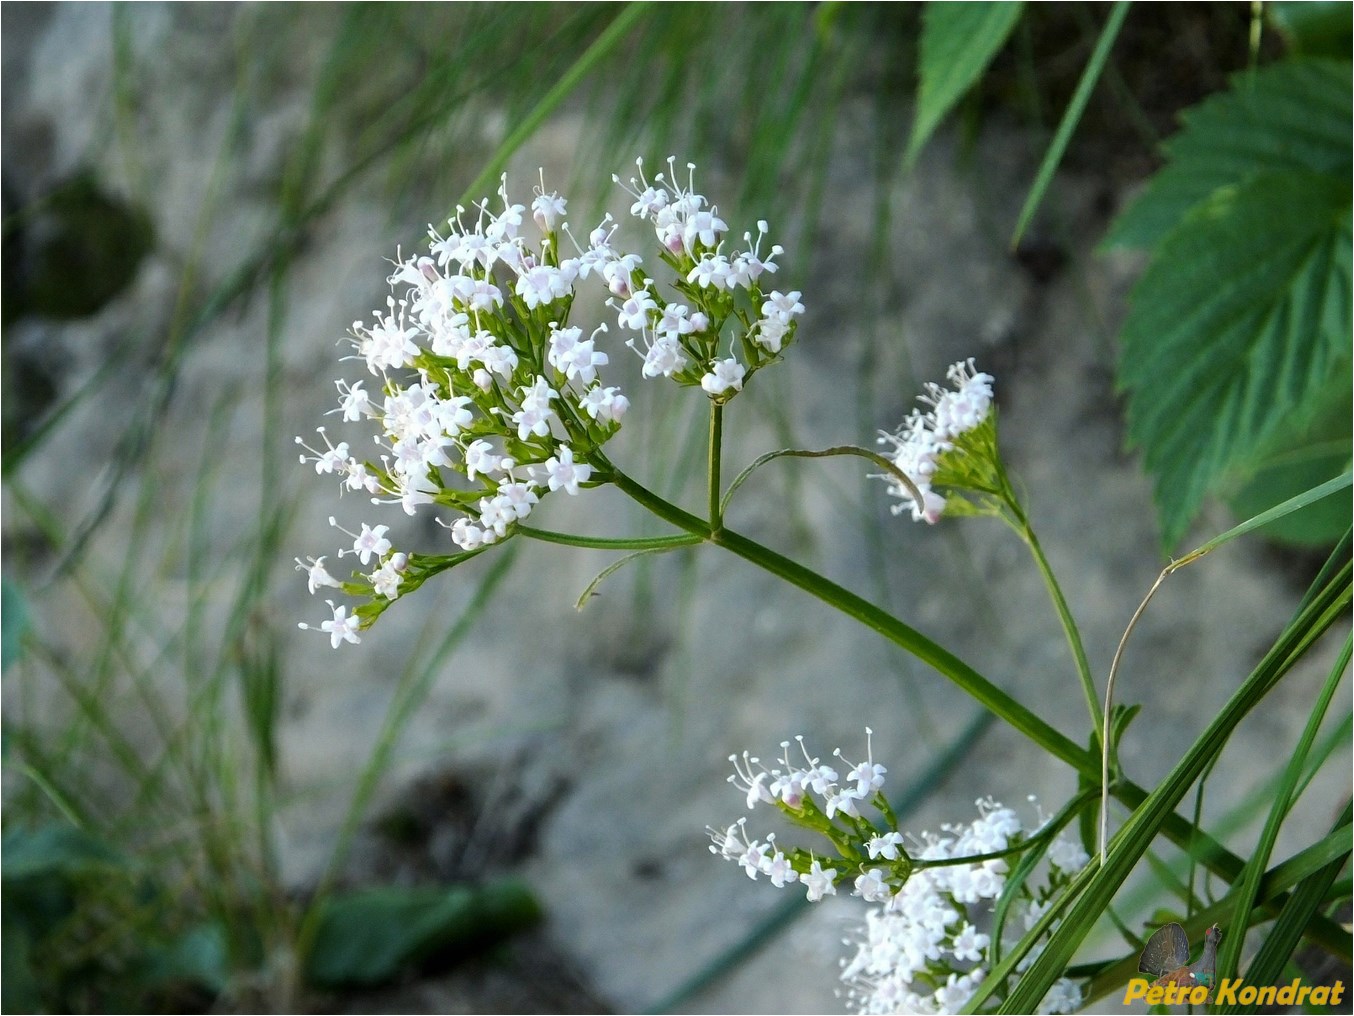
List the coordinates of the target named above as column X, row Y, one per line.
column 921, row 949
column 486, row 399
column 951, row 445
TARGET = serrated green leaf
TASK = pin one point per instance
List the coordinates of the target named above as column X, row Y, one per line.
column 1241, row 315
column 958, row 41
column 1293, row 115
column 1301, row 454
column 1314, row 27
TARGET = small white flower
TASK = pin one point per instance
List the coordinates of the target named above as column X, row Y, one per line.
column 562, row 471
column 606, row 405
column 355, row 405
column 724, row 375
column 871, row 886
column 954, row 994
column 389, row 343
column 516, row 499
column 468, row 536
column 1067, row 854
column 770, row 333
column 633, row 314
column 819, row 881
column 663, row 357
column 334, row 459
column 712, row 270
column 386, row 579
column 548, row 211
column 790, row 787
column 575, row 357
column 541, row 285
column 703, row 228
column 482, row 459
column 731, row 842
column 675, row 320
column 316, row 575
column 843, row 802
column 535, row 415
column 969, row 944
column 886, row 846
column 779, row 870
column 371, row 541
column 753, row 859
column 784, row 306
column 340, row 628
column 1064, row 997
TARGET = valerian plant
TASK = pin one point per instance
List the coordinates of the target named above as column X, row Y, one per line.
column 482, row 396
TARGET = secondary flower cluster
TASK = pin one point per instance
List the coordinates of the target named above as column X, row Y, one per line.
column 921, row 948
column 954, row 420
column 485, row 398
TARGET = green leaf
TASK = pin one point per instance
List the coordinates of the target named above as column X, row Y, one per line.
column 1300, row 455
column 1293, row 115
column 1310, row 897
column 55, row 849
column 13, row 622
column 199, row 956
column 368, row 937
column 19, row 988
column 958, row 41
column 1314, row 27
column 1237, row 322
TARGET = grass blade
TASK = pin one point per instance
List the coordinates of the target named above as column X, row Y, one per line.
column 1094, row 67
column 1147, row 821
column 1230, row 953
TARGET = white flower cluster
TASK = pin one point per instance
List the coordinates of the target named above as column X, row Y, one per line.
column 681, row 340
column 920, row 950
column 793, row 788
column 925, row 436
column 487, row 399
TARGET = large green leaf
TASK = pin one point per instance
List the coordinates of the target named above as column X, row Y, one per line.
column 958, row 41
column 1314, row 27
column 368, row 937
column 1293, row 115
column 1301, row 454
column 200, row 956
column 1241, row 315
column 55, row 849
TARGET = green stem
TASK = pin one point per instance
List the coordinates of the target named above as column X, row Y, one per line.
column 712, row 472
column 610, row 543
column 1070, row 630
column 1218, row 858
column 992, row 697
column 885, row 464
column 1014, row 516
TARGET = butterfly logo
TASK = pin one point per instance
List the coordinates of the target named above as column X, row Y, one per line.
column 1166, row 957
